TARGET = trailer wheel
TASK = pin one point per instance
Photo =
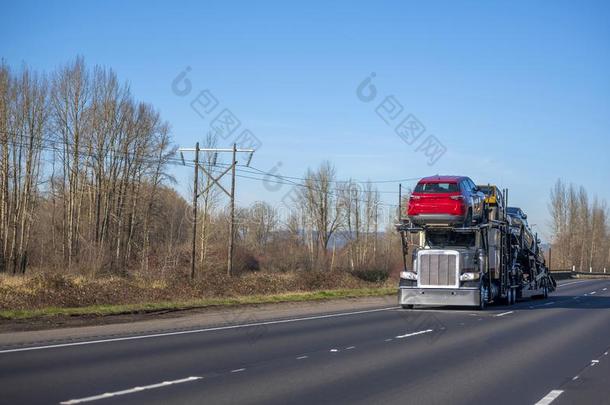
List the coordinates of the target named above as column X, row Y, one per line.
column 509, row 297
column 407, row 306
column 545, row 292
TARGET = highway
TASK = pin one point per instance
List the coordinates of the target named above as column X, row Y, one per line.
column 537, row 351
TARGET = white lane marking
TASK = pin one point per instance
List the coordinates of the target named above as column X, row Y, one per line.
column 604, row 289
column 350, row 347
column 334, row 350
column 238, row 370
column 576, row 377
column 388, row 340
column 605, row 353
column 594, row 362
column 301, row 357
column 129, row 391
column 574, row 282
column 421, row 332
column 550, row 397
column 188, row 332
column 592, row 292
column 505, row 313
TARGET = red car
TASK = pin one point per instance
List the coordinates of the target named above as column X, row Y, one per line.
column 446, row 200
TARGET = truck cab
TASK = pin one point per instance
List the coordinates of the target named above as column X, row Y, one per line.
column 449, row 268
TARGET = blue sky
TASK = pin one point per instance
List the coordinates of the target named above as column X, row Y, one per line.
column 517, row 92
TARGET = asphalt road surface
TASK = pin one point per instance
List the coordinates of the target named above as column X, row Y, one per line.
column 537, row 351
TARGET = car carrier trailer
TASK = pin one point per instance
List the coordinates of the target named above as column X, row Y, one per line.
column 472, row 265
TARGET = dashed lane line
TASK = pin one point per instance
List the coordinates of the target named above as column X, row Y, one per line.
column 573, row 282
column 421, row 332
column 505, row 313
column 550, row 397
column 129, row 391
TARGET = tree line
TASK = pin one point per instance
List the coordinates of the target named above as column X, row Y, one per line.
column 580, row 227
column 85, row 188
column 82, row 167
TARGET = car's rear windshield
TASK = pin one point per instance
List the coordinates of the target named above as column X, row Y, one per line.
column 436, row 188
column 487, row 190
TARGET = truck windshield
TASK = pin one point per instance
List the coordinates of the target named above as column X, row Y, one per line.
column 438, row 240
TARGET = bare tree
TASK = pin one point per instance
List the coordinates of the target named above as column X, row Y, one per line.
column 580, row 228
column 321, row 206
column 261, row 222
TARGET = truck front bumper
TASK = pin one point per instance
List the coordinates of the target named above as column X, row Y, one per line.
column 438, row 296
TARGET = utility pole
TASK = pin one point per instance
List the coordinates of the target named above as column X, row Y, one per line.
column 195, row 197
column 399, row 201
column 215, row 181
column 232, row 208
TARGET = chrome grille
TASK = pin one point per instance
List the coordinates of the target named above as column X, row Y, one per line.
column 437, row 268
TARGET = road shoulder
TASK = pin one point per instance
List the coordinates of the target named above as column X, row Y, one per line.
column 125, row 325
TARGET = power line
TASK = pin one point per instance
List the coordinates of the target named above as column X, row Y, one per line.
column 344, row 181
column 178, row 161
column 154, row 159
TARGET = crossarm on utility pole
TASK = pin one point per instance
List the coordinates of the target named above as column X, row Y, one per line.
column 215, row 180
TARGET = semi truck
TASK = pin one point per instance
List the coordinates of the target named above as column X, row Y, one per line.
column 472, row 263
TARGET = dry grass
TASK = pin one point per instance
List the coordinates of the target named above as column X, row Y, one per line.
column 103, row 310
column 53, row 292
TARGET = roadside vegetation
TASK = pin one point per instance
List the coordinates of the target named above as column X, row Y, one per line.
column 581, row 231
column 90, row 215
column 50, row 295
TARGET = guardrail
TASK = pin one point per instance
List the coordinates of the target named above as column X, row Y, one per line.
column 567, row 274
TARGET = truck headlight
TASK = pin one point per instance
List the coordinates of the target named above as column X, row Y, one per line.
column 408, row 275
column 469, row 276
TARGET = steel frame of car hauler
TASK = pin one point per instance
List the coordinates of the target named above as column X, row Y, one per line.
column 496, row 267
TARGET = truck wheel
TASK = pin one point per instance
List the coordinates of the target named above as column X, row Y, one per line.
column 482, row 298
column 407, row 306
